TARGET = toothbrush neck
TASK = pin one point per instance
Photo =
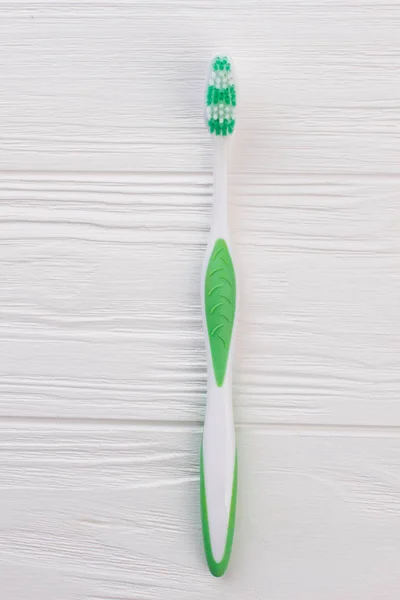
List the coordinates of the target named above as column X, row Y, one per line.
column 220, row 200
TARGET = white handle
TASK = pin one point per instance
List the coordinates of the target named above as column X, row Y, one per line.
column 218, row 472
column 219, row 465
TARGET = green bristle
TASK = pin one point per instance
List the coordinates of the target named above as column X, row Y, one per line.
column 209, row 95
column 221, row 98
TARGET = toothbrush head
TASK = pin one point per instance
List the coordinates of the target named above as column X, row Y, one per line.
column 221, row 97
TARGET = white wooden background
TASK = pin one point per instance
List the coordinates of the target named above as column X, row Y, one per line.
column 105, row 195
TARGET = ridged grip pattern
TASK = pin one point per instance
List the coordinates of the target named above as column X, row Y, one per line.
column 220, row 305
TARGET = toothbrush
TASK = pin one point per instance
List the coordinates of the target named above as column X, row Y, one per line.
column 218, row 465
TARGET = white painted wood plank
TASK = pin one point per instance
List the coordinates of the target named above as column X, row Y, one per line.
column 100, row 303
column 105, row 195
column 111, row 512
column 98, row 87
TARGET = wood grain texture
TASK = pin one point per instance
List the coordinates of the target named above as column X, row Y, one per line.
column 102, row 275
column 112, row 512
column 105, row 198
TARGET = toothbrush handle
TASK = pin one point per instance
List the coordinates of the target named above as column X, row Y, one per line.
column 218, row 475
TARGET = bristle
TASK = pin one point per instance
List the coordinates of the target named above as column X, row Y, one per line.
column 221, row 97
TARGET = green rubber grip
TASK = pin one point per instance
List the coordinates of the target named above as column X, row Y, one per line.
column 217, row 568
column 220, row 306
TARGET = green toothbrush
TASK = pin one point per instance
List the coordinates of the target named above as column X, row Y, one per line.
column 218, row 473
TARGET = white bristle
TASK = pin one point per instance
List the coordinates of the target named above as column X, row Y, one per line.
column 221, row 112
